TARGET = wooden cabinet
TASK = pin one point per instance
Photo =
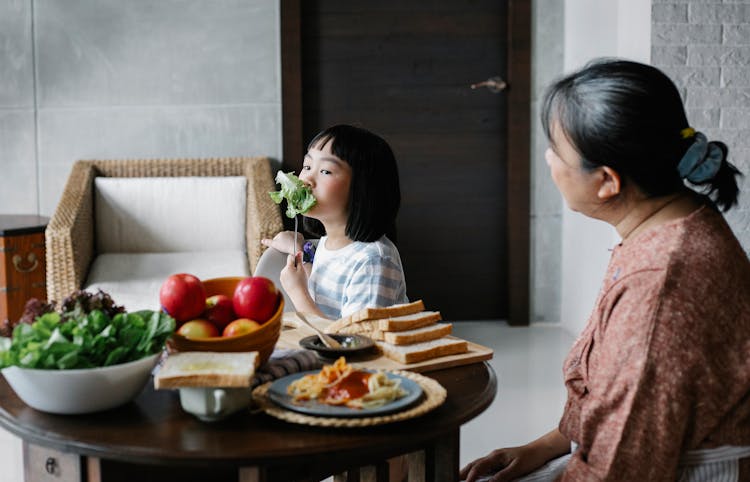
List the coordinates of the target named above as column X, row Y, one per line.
column 42, row 464
column 22, row 263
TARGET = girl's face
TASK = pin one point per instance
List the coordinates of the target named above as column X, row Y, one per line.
column 577, row 185
column 330, row 179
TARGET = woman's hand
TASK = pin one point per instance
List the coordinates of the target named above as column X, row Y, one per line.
column 511, row 463
column 505, row 464
column 285, row 242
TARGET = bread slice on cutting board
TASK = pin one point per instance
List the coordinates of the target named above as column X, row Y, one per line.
column 396, row 323
column 405, row 333
column 416, row 335
column 366, row 314
column 418, row 352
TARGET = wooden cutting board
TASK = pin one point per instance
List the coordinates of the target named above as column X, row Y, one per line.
column 293, row 331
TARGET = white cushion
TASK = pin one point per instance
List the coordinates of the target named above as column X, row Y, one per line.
column 270, row 264
column 164, row 214
column 133, row 280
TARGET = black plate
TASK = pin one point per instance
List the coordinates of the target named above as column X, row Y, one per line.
column 354, row 345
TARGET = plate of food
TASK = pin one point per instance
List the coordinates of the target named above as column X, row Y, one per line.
column 340, row 390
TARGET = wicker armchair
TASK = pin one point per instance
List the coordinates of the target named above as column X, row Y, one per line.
column 70, row 242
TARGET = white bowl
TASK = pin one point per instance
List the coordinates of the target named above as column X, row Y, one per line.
column 82, row 390
column 213, row 403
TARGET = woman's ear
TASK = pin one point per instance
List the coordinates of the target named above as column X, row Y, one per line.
column 611, row 184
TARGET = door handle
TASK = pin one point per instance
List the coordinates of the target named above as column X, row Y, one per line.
column 493, row 84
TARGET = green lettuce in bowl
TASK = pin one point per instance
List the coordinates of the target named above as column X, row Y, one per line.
column 88, row 356
column 86, row 341
column 88, row 330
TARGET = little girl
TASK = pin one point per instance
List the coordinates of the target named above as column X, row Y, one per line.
column 353, row 175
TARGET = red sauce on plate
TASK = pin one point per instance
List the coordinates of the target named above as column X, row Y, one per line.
column 350, row 387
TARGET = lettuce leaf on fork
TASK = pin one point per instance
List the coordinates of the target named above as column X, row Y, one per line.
column 299, row 197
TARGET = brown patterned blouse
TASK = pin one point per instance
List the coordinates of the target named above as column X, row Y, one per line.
column 663, row 365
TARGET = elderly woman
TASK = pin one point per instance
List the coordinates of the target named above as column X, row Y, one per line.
column 659, row 380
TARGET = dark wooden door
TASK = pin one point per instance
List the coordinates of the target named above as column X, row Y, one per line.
column 403, row 69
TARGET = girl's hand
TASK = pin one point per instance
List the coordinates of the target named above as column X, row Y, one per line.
column 506, row 464
column 284, row 242
column 293, row 276
column 293, row 279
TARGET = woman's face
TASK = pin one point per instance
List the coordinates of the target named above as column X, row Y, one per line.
column 577, row 185
column 330, row 179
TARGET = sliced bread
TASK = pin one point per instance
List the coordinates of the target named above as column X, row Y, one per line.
column 427, row 350
column 418, row 335
column 206, row 369
column 396, row 323
column 377, row 313
column 426, row 333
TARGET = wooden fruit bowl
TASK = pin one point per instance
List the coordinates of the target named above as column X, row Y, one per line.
column 263, row 340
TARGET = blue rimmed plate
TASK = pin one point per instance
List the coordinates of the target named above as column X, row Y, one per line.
column 277, row 392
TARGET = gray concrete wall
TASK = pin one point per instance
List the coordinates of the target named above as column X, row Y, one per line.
column 18, row 167
column 546, row 202
column 704, row 46
column 84, row 79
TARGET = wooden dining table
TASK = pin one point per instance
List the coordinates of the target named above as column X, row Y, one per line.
column 153, row 439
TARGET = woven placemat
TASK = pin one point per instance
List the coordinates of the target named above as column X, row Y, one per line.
column 433, row 396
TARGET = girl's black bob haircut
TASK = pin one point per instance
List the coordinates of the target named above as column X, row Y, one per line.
column 629, row 116
column 374, row 194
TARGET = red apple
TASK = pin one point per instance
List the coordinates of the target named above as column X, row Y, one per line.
column 198, row 328
column 219, row 310
column 255, row 297
column 240, row 327
column 183, row 297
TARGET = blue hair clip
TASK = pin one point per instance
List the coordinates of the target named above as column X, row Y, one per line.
column 701, row 161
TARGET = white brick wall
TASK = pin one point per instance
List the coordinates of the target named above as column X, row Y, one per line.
column 704, row 46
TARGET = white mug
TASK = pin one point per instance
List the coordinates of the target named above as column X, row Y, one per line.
column 212, row 403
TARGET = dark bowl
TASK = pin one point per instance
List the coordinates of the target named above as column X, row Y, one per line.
column 353, row 346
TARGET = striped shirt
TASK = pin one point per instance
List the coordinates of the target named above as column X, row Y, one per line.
column 359, row 275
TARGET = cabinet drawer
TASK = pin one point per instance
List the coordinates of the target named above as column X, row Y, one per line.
column 42, row 464
column 22, row 272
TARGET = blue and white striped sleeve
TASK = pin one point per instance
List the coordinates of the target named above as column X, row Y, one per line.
column 376, row 282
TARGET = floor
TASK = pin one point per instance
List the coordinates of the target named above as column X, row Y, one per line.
column 530, row 396
column 529, row 400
